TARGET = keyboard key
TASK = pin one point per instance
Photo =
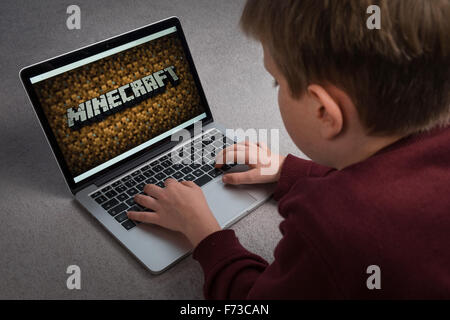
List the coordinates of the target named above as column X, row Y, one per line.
column 227, row 141
column 130, row 202
column 197, row 146
column 95, row 195
column 177, row 166
column 202, row 180
column 130, row 183
column 219, row 145
column 189, row 177
column 111, row 194
column 115, row 184
column 126, row 178
column 154, row 163
column 164, row 158
column 121, row 188
column 160, row 176
column 177, row 175
column 122, row 197
column 186, row 170
column 131, row 192
column 137, row 172
column 148, row 173
column 100, row 199
column 117, row 209
column 138, row 208
column 151, row 180
column 198, row 156
column 166, row 163
column 144, row 168
column 140, row 186
column 169, row 171
column 109, row 204
column 215, row 173
column 106, row 189
column 195, row 165
column 225, row 167
column 207, row 168
column 157, row 168
column 139, row 178
column 207, row 141
column 128, row 224
column 209, row 156
column 197, row 173
column 177, row 159
column 121, row 217
column 185, row 161
column 161, row 184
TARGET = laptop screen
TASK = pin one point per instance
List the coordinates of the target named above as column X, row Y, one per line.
column 109, row 106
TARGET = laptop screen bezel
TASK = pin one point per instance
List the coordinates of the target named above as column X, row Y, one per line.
column 85, row 52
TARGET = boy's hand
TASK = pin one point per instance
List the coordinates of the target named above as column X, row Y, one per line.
column 264, row 166
column 180, row 206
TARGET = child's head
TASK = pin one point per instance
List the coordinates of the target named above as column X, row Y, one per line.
column 344, row 87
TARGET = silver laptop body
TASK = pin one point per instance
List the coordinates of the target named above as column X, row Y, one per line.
column 96, row 188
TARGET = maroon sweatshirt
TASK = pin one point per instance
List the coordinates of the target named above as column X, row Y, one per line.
column 391, row 210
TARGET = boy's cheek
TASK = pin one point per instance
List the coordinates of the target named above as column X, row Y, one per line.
column 297, row 123
column 291, row 115
column 284, row 106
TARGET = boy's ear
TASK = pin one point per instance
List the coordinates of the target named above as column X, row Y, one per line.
column 328, row 112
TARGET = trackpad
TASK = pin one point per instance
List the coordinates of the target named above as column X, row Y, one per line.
column 226, row 202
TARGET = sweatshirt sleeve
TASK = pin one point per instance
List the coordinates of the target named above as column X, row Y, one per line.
column 295, row 168
column 232, row 272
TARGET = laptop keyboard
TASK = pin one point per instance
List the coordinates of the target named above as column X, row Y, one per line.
column 193, row 161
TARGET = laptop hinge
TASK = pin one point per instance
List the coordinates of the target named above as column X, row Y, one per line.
column 101, row 180
column 132, row 164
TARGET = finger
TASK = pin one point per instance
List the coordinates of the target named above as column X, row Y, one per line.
column 147, row 217
column 247, row 143
column 189, row 184
column 169, row 181
column 263, row 146
column 246, row 177
column 146, row 201
column 153, row 190
column 238, row 153
column 221, row 157
column 258, row 153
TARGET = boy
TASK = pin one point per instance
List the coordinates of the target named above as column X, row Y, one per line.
column 371, row 109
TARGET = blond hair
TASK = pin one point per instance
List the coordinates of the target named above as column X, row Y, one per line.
column 398, row 76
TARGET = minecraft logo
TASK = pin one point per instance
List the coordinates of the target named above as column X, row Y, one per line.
column 126, row 96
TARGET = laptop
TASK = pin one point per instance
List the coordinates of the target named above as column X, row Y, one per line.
column 110, row 112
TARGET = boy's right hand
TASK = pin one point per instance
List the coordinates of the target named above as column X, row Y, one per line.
column 264, row 166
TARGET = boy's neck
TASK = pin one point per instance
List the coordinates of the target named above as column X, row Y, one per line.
column 363, row 149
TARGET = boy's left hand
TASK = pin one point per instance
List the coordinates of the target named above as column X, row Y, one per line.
column 180, row 206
